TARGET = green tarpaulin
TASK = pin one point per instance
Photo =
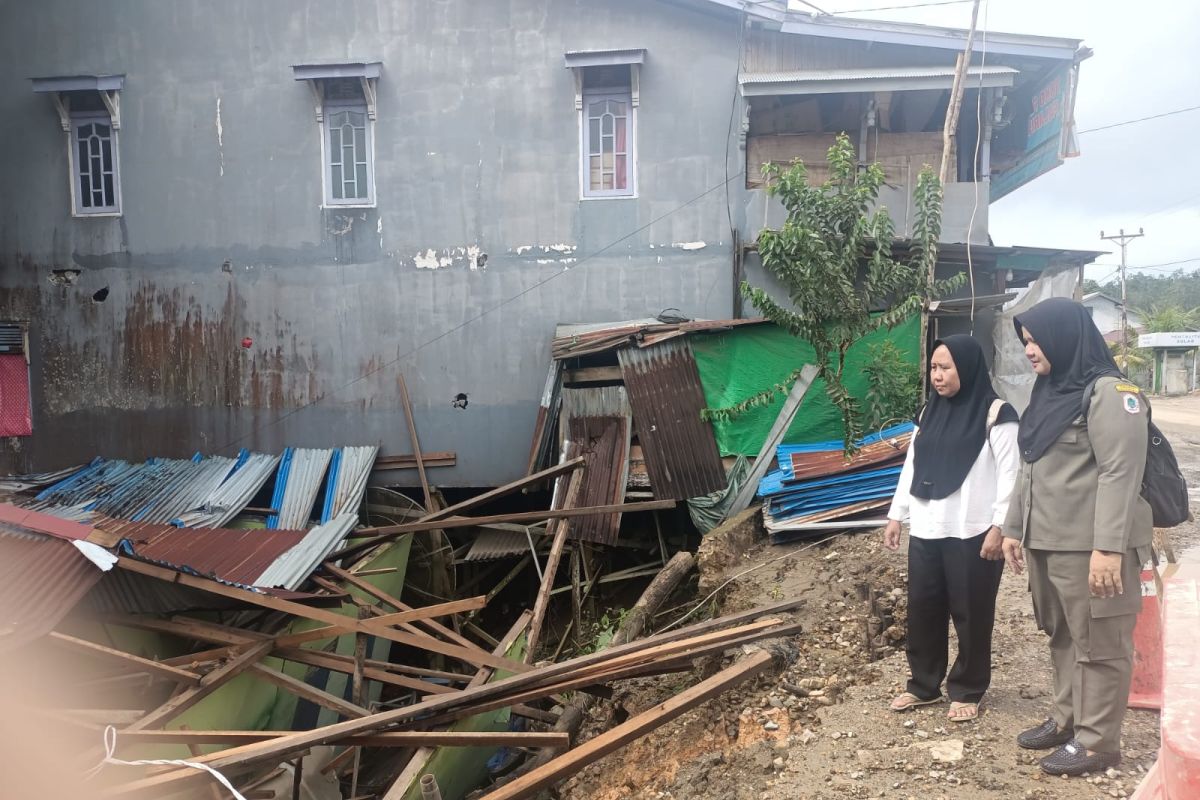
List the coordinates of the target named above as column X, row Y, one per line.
column 744, row 361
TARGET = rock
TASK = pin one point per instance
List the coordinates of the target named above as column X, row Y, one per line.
column 771, row 725
column 778, row 762
column 807, row 737
column 948, row 751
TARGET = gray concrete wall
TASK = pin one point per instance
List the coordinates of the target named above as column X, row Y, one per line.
column 223, row 237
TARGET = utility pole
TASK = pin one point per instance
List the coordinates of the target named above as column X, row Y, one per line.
column 1124, row 239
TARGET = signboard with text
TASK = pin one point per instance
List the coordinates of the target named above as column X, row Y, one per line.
column 1045, row 122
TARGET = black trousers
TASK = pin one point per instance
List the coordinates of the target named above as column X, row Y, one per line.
column 947, row 580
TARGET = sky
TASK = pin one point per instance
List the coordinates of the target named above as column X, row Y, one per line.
column 1144, row 175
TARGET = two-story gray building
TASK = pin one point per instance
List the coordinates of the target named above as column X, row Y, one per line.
column 234, row 224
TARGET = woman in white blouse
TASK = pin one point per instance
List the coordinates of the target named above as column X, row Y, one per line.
column 954, row 489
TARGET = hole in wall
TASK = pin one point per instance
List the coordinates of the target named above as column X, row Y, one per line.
column 100, row 295
column 64, row 277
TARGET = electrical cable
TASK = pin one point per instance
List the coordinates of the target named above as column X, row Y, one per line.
column 975, row 160
column 1142, row 119
column 902, row 7
column 536, row 285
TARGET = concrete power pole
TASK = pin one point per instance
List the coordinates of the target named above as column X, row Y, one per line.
column 1124, row 239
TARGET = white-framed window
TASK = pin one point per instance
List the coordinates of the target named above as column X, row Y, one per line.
column 89, row 110
column 344, row 101
column 607, row 98
column 349, row 155
column 608, row 144
column 95, row 174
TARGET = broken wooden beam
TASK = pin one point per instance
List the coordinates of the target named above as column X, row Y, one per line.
column 518, row 516
column 309, row 692
column 550, row 570
column 394, row 739
column 412, row 435
column 594, row 749
column 506, row 489
column 127, row 659
column 440, row 458
column 475, row 657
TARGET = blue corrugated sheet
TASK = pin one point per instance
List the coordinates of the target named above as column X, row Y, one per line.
column 823, row 496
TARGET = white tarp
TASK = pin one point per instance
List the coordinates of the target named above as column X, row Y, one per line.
column 1011, row 374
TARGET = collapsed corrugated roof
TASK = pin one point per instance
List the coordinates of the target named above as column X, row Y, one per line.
column 41, row 579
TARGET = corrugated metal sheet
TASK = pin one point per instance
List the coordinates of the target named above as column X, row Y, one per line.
column 572, row 340
column 41, row 580
column 237, row 490
column 800, row 462
column 679, row 447
column 348, row 483
column 596, row 425
column 23, row 483
column 297, row 485
column 869, row 73
column 489, row 545
column 542, row 446
column 292, row 568
column 190, row 492
column 233, row 556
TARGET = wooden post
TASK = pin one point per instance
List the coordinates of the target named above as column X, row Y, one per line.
column 412, row 434
column 551, row 569
column 958, row 88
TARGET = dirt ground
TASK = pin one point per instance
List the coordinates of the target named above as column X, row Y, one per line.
column 821, row 729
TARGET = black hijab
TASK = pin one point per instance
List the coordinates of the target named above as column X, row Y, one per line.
column 1077, row 354
column 954, row 429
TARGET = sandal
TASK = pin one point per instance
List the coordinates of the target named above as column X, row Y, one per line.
column 909, row 700
column 962, row 712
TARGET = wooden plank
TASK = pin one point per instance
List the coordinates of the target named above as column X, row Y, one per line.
column 395, row 739
column 550, row 569
column 505, row 490
column 592, row 375
column 387, row 620
column 278, row 749
column 615, row 738
column 412, row 435
column 766, row 456
column 345, row 665
column 430, row 624
column 127, row 659
column 189, row 697
column 307, row 692
column 320, row 615
column 519, row 516
column 438, row 458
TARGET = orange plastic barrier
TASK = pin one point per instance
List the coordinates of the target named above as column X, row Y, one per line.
column 1179, row 755
column 1151, row 787
column 1145, row 689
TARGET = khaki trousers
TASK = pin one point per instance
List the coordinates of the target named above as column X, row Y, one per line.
column 1091, row 643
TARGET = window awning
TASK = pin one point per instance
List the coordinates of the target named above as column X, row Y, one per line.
column 79, row 83
column 353, row 69
column 877, row 79
column 604, row 58
column 365, row 72
column 108, row 86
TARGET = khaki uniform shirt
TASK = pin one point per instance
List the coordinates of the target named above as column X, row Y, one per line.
column 1084, row 493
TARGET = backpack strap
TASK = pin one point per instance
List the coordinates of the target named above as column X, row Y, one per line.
column 994, row 413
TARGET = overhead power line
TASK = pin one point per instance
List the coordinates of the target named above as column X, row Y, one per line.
column 1142, row 119
column 902, row 7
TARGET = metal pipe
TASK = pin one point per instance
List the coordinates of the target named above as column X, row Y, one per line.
column 429, row 787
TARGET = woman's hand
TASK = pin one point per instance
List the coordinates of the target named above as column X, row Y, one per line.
column 993, row 545
column 1104, row 574
column 1013, row 555
column 891, row 535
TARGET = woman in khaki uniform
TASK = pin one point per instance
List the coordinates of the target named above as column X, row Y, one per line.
column 1077, row 510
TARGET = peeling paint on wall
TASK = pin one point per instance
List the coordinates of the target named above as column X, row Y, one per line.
column 689, row 245
column 220, row 141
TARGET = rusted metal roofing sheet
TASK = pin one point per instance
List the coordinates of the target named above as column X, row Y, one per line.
column 41, row 579
column 665, row 392
column 579, row 340
column 233, row 556
column 802, row 465
column 604, row 444
column 490, row 545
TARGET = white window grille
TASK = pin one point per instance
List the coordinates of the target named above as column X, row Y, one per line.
column 608, row 145
column 94, row 165
column 349, row 178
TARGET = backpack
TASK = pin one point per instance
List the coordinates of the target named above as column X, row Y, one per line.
column 1163, row 485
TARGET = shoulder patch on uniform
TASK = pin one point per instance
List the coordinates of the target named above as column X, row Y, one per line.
column 1130, row 403
column 1127, row 387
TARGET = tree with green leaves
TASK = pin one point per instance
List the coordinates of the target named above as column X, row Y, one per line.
column 834, row 255
column 1168, row 317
